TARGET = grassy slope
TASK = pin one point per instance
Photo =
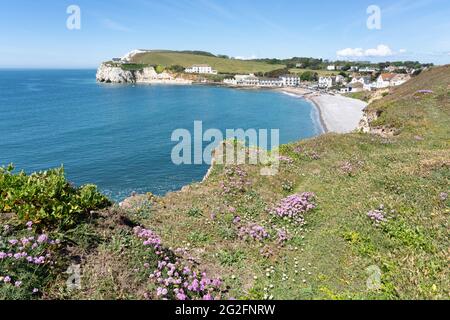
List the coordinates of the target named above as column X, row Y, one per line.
column 167, row 58
column 331, row 253
column 322, row 73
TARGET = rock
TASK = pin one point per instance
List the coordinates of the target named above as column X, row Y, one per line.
column 113, row 74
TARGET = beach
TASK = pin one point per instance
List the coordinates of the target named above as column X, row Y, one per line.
column 338, row 114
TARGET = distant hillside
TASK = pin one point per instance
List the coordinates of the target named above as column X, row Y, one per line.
column 223, row 65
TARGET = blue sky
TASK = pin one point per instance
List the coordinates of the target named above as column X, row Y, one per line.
column 34, row 34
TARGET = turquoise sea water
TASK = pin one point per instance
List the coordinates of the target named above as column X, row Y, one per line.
column 119, row 136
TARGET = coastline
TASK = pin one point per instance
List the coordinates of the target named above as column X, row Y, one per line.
column 338, row 114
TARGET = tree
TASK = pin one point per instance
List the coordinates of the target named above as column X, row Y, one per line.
column 309, row 76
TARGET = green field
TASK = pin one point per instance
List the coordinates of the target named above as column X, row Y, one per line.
column 169, row 58
column 322, row 73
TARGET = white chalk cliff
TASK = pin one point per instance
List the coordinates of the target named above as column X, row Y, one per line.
column 111, row 73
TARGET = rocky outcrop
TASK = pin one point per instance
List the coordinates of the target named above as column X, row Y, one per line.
column 114, row 74
column 366, row 127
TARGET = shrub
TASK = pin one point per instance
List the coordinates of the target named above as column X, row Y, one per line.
column 46, row 197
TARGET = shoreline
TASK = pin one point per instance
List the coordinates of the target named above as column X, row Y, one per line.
column 338, row 114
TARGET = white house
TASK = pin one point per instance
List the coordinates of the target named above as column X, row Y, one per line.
column 290, row 80
column 201, row 69
column 331, row 68
column 270, row 82
column 384, row 80
column 400, row 79
column 326, row 82
column 368, row 70
column 356, row 87
column 250, row 81
column 339, row 79
column 230, row 81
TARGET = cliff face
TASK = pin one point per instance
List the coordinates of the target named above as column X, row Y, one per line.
column 114, row 74
column 111, row 74
column 366, row 127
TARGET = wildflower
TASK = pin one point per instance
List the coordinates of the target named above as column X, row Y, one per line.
column 17, row 284
column 7, row 279
column 254, row 231
column 377, row 216
column 294, row 206
column 3, row 255
column 42, row 238
column 236, row 219
column 443, row 196
column 285, row 159
column 13, row 242
column 35, row 290
column 29, row 224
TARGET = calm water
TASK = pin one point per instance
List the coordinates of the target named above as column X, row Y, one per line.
column 119, row 136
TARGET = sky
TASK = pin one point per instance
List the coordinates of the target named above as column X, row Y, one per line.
column 35, row 34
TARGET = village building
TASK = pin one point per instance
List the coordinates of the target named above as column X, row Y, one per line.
column 270, row 82
column 290, row 80
column 200, row 69
column 384, row 80
column 327, row 82
column 250, row 81
column 400, row 79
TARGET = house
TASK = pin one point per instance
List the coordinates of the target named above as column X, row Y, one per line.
column 230, row 81
column 327, row 82
column 356, row 87
column 331, row 68
column 250, row 81
column 391, row 69
column 201, row 69
column 400, row 79
column 299, row 65
column 339, row 79
column 118, row 60
column 384, row 80
column 354, row 68
column 270, row 82
column 363, row 80
column 241, row 77
column 368, row 70
column 290, row 80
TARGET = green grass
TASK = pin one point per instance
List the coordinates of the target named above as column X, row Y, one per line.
column 170, row 58
column 322, row 73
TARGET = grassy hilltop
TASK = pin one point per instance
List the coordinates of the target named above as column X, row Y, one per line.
column 380, row 204
column 223, row 65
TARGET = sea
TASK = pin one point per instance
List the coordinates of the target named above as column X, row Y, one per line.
column 119, row 137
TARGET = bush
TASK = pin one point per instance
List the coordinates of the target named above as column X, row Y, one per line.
column 47, row 197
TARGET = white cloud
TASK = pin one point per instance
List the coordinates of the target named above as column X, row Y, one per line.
column 349, row 52
column 380, row 51
column 402, row 50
